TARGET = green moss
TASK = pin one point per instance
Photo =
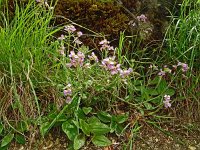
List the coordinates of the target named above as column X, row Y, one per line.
column 103, row 17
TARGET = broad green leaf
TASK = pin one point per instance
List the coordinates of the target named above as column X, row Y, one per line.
column 87, row 110
column 155, row 81
column 113, row 125
column 79, row 141
column 84, row 127
column 62, row 117
column 152, row 92
column 119, row 129
column 121, row 118
column 99, row 128
column 170, row 92
column 70, row 129
column 162, row 86
column 80, row 114
column 93, row 119
column 148, row 106
column 20, row 139
column 104, row 116
column 7, row 139
column 101, row 140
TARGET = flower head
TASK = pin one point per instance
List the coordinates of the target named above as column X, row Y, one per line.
column 62, row 37
column 142, row 18
column 76, row 59
column 70, row 28
column 161, row 73
column 184, row 66
column 79, row 34
column 167, row 101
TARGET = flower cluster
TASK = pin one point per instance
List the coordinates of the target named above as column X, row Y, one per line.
column 184, row 66
column 110, row 64
column 126, row 72
column 76, row 59
column 114, row 68
column 105, row 45
column 70, row 28
column 167, row 101
column 67, row 93
column 142, row 18
column 163, row 72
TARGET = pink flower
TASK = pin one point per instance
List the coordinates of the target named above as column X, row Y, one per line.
column 125, row 73
column 76, row 59
column 62, row 37
column 104, row 42
column 79, row 34
column 184, row 66
column 167, row 101
column 142, row 18
column 105, row 45
column 67, row 92
column 161, row 73
column 68, row 100
column 70, row 28
column 77, row 41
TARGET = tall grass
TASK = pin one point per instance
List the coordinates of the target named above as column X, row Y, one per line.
column 183, row 34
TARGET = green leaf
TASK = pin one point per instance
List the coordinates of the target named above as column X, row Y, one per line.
column 93, row 119
column 7, row 139
column 1, row 128
column 80, row 114
column 44, row 128
column 104, row 116
column 155, row 81
column 79, row 141
column 121, row 118
column 113, row 125
column 70, row 129
column 99, row 128
column 119, row 129
column 22, row 126
column 162, row 86
column 152, row 92
column 170, row 92
column 148, row 106
column 87, row 110
column 20, row 139
column 101, row 140
column 84, row 127
column 61, row 118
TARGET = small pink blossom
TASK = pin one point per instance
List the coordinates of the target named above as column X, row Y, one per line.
column 125, row 73
column 167, row 101
column 79, row 34
column 161, row 73
column 142, row 18
column 105, row 45
column 77, row 41
column 76, row 59
column 62, row 37
column 70, row 28
column 184, row 66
